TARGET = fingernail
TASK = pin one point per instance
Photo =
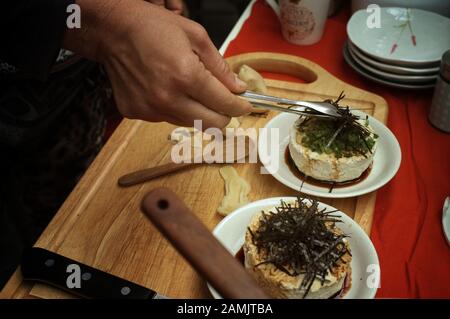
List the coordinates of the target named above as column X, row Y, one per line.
column 239, row 82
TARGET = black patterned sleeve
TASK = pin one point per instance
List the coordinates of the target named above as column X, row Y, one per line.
column 31, row 33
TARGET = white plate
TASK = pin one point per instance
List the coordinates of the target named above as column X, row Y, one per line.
column 376, row 79
column 431, row 31
column 392, row 68
column 446, row 219
column 389, row 67
column 385, row 164
column 231, row 232
column 407, row 79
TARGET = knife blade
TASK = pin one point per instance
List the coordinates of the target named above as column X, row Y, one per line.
column 47, row 267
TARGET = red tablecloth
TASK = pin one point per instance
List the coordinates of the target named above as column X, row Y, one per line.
column 407, row 232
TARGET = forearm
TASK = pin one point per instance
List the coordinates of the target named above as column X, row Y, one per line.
column 161, row 66
column 103, row 24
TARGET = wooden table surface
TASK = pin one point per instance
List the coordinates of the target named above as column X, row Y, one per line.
column 100, row 224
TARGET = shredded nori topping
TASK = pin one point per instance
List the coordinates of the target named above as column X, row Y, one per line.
column 342, row 136
column 299, row 239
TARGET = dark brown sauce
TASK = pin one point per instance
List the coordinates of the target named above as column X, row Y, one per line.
column 240, row 256
column 340, row 294
column 347, row 285
column 330, row 185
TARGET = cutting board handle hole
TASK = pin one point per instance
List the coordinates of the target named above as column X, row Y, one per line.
column 163, row 204
column 283, row 70
column 282, row 77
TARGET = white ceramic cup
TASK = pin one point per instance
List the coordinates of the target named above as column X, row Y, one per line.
column 302, row 21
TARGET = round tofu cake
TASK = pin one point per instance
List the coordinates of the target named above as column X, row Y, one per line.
column 345, row 159
column 290, row 279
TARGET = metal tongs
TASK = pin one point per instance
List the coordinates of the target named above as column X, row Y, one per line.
column 304, row 108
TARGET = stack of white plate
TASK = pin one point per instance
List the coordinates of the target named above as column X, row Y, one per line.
column 403, row 50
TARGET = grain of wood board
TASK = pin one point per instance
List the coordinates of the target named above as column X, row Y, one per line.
column 100, row 224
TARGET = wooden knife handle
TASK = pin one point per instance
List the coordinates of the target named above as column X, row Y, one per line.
column 147, row 174
column 200, row 248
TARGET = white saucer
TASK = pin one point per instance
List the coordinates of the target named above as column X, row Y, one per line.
column 407, row 79
column 375, row 78
column 390, row 67
column 385, row 165
column 430, row 29
column 446, row 219
column 231, row 232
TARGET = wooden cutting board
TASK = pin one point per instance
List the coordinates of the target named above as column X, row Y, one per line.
column 101, row 225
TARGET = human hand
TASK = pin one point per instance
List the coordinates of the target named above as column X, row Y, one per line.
column 175, row 6
column 162, row 67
